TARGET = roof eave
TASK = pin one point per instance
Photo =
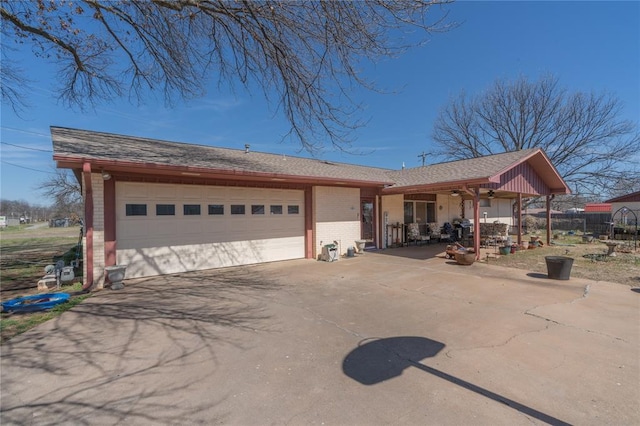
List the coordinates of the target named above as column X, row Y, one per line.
column 439, row 186
column 556, row 184
column 74, row 162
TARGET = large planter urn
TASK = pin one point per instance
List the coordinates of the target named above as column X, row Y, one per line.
column 559, row 267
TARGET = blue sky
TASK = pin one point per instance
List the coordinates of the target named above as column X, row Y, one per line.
column 588, row 46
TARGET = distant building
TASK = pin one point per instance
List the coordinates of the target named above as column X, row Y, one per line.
column 626, row 208
column 597, row 208
column 574, row 210
column 540, row 212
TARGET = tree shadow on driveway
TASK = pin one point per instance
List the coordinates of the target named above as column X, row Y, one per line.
column 135, row 355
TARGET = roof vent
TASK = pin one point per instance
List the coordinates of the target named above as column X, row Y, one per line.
column 246, row 148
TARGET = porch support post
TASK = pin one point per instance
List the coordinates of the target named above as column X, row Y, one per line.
column 88, row 224
column 378, row 216
column 519, row 209
column 308, row 223
column 476, row 221
column 548, row 220
column 110, row 222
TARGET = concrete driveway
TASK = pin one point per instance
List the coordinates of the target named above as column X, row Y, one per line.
column 394, row 337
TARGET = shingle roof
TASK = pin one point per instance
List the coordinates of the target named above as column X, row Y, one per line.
column 627, row 198
column 72, row 147
column 456, row 171
column 71, row 144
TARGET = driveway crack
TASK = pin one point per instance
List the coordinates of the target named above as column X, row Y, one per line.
column 335, row 324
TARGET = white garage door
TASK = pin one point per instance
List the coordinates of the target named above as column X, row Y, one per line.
column 167, row 228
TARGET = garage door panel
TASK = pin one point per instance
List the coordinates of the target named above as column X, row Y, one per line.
column 174, row 259
column 191, row 228
column 128, row 230
column 193, row 192
column 163, row 228
column 163, row 192
column 154, row 245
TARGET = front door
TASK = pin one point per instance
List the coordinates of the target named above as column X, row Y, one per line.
column 367, row 222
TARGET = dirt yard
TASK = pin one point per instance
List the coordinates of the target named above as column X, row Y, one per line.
column 590, row 260
column 24, row 253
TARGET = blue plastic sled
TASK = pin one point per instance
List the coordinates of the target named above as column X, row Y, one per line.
column 37, row 302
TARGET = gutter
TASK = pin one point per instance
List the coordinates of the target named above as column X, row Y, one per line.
column 143, row 168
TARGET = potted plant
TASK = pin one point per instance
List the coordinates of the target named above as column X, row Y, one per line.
column 504, row 250
column 465, row 257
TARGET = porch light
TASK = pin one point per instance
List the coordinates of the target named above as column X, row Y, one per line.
column 105, row 175
column 455, row 193
column 491, row 194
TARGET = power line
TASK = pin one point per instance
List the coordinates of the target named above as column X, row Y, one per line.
column 27, row 168
column 26, row 147
column 25, row 131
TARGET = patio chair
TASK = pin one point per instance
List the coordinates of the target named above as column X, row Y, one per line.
column 413, row 233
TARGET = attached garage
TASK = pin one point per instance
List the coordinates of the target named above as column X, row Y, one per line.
column 171, row 228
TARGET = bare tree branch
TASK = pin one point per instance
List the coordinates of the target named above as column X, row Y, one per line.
column 583, row 134
column 304, row 55
column 62, row 188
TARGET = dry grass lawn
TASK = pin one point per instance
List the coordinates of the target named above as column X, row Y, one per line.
column 590, row 260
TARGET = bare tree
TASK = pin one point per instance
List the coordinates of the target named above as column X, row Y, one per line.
column 626, row 185
column 307, row 52
column 12, row 81
column 583, row 134
column 65, row 192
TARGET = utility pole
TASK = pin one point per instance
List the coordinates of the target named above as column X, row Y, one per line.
column 423, row 156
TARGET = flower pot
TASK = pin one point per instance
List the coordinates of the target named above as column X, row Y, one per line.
column 505, row 250
column 465, row 257
column 558, row 267
column 525, row 245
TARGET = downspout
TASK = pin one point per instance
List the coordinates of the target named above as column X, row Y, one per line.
column 88, row 224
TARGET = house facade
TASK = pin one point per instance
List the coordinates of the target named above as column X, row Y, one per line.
column 165, row 207
column 625, row 210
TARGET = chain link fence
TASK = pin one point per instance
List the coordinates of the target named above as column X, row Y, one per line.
column 589, row 223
